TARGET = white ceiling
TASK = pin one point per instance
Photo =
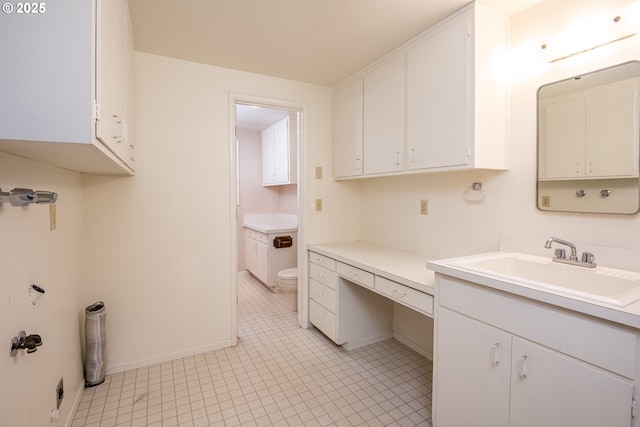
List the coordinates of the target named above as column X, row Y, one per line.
column 314, row 41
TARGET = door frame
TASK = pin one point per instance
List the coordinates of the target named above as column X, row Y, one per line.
column 303, row 291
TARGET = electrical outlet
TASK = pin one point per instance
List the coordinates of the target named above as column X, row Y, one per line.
column 546, row 201
column 424, row 207
column 59, row 393
column 318, row 205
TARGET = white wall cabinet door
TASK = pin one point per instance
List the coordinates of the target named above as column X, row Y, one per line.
column 347, row 129
column 473, row 372
column 554, row 390
column 277, row 165
column 384, row 117
column 114, row 70
column 437, row 96
column 563, row 132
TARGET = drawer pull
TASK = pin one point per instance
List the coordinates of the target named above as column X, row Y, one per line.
column 495, row 354
column 396, row 293
column 523, row 368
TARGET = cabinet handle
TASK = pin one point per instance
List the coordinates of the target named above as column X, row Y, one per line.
column 590, row 167
column 495, row 354
column 356, row 164
column 398, row 294
column 412, row 155
column 577, row 168
column 396, row 159
column 523, row 368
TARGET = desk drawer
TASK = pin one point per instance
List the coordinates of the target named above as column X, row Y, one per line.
column 322, row 275
column 322, row 261
column 405, row 295
column 323, row 295
column 355, row 274
column 322, row 319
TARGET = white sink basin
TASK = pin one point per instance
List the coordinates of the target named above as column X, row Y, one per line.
column 601, row 284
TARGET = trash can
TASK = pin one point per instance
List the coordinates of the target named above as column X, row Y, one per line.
column 95, row 360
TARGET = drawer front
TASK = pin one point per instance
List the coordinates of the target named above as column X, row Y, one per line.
column 323, row 261
column 405, row 295
column 250, row 233
column 322, row 275
column 261, row 237
column 355, row 274
column 322, row 319
column 323, row 295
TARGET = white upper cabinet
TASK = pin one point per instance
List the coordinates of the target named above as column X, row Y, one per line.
column 591, row 133
column 438, row 70
column 444, row 88
column 278, row 153
column 52, row 86
column 347, row 129
column 384, row 117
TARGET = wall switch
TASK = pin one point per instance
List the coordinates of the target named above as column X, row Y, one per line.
column 424, row 207
column 546, row 201
column 318, row 205
column 318, row 172
column 53, row 220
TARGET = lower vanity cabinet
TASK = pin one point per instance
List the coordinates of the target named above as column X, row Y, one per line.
column 505, row 361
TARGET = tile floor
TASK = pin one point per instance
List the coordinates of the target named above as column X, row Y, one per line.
column 277, row 375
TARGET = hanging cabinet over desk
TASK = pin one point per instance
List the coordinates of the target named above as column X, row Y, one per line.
column 436, row 103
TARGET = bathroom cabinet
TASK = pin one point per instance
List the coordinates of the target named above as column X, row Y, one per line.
column 591, row 133
column 67, row 88
column 444, row 88
column 278, row 153
column 511, row 361
column 263, row 260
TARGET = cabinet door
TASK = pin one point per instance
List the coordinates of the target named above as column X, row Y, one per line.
column 262, row 262
column 250, row 253
column 114, row 66
column 281, row 151
column 472, row 372
column 563, row 134
column 437, row 90
column 384, row 117
column 347, row 130
column 553, row 390
column 612, row 132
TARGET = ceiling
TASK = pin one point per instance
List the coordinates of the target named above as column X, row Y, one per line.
column 313, row 41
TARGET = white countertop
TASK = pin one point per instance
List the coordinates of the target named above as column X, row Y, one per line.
column 629, row 315
column 404, row 267
column 271, row 223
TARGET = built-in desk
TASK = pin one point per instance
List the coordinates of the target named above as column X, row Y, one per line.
column 354, row 285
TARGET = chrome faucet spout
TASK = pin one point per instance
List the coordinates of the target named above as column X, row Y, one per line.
column 588, row 260
column 572, row 247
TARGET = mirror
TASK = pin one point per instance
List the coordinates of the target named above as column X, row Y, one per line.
column 588, row 139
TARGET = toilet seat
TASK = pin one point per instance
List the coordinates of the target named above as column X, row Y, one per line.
column 288, row 277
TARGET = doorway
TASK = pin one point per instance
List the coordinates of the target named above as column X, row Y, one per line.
column 254, row 196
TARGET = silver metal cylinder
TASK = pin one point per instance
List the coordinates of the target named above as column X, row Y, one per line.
column 95, row 360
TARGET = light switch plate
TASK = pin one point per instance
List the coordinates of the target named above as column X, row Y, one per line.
column 318, row 172
column 318, row 205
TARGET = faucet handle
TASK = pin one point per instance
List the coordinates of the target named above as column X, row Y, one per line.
column 560, row 253
column 588, row 258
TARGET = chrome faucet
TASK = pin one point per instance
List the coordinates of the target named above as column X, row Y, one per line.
column 588, row 259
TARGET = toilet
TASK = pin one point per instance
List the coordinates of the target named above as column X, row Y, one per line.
column 288, row 283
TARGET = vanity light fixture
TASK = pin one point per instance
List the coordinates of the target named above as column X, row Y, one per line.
column 26, row 196
column 601, row 31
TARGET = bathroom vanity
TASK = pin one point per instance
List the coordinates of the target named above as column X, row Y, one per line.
column 515, row 351
column 270, row 245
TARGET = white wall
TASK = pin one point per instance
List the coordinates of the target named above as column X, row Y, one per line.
column 31, row 253
column 389, row 206
column 159, row 248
